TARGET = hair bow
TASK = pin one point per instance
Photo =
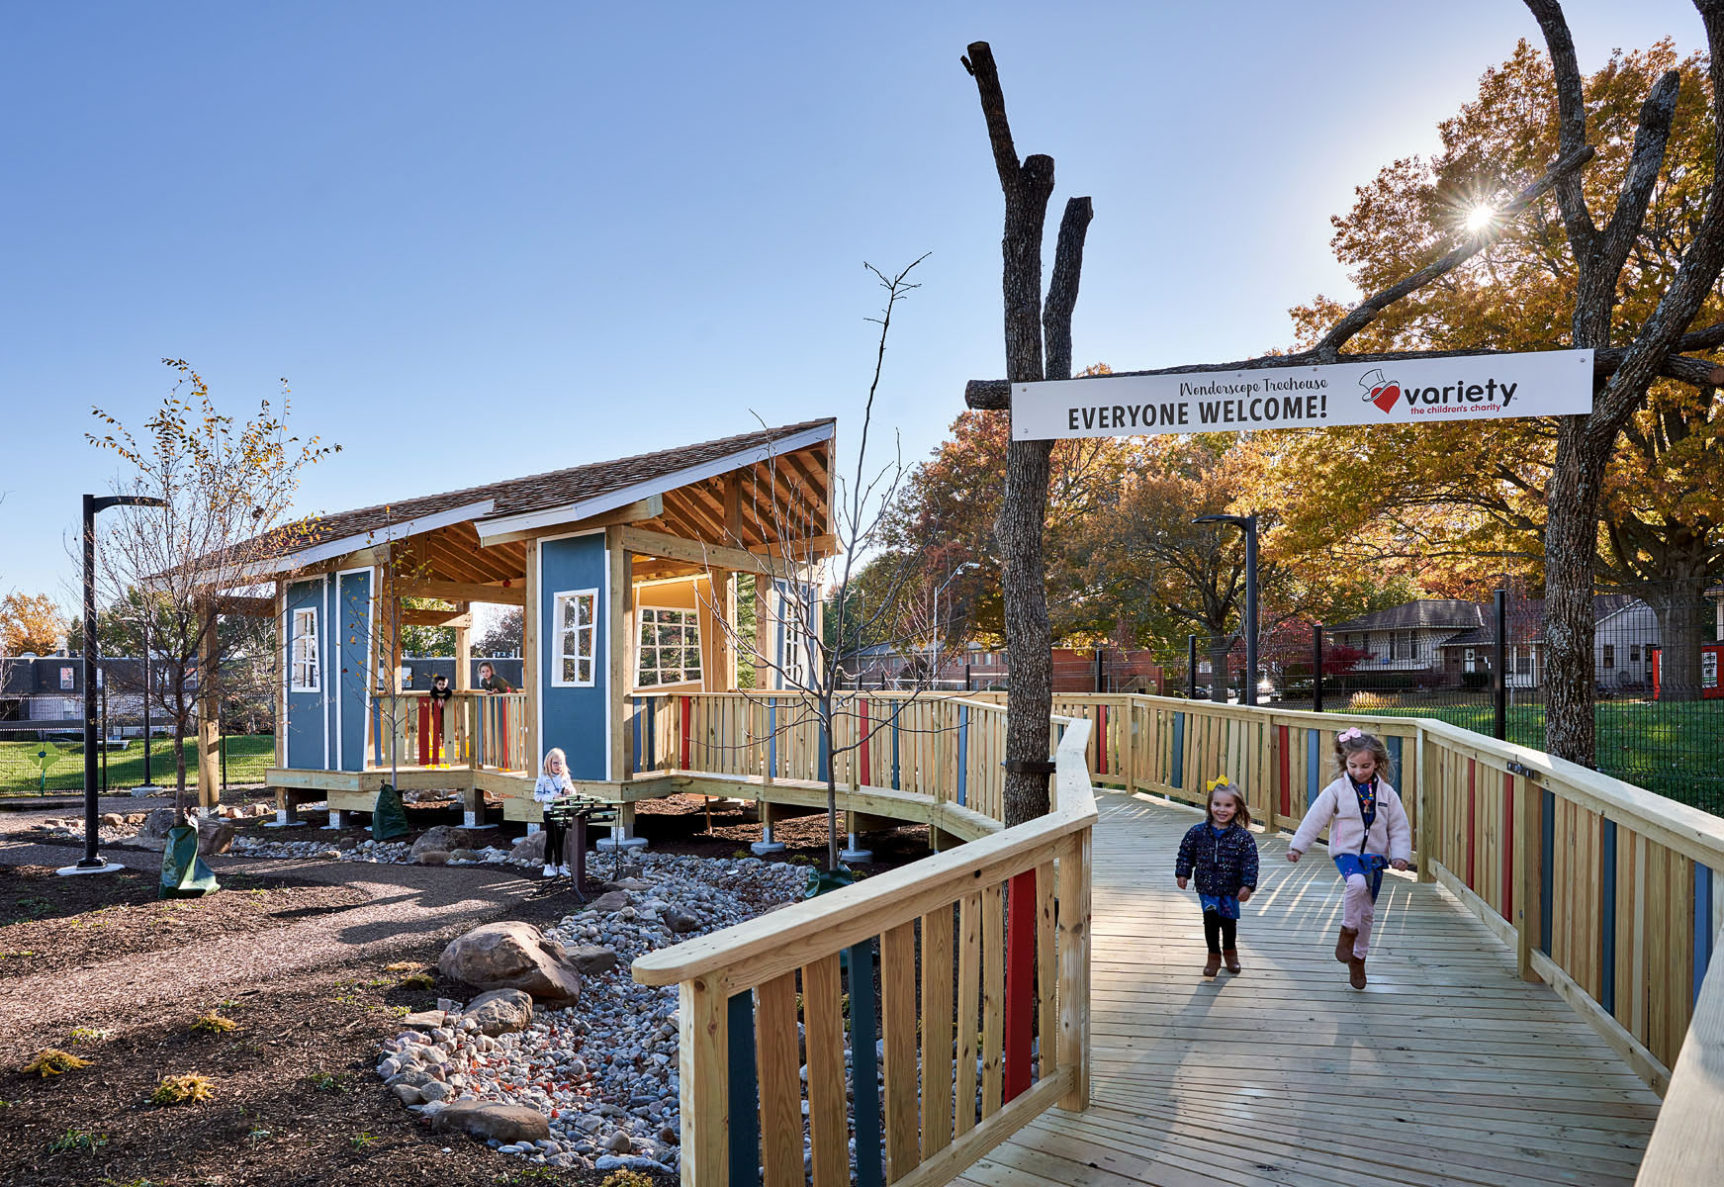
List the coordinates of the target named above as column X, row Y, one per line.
column 1218, row 782
column 1347, row 735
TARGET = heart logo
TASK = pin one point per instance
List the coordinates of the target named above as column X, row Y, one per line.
column 1385, row 395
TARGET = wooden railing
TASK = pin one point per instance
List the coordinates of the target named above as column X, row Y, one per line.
column 982, row 1003
column 473, row 730
column 943, row 746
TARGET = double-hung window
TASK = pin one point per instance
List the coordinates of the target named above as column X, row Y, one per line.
column 574, row 618
column 305, row 672
column 669, row 650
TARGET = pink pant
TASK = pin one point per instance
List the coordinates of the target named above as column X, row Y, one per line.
column 1358, row 911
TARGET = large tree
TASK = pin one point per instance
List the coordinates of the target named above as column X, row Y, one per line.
column 1470, row 502
column 30, row 622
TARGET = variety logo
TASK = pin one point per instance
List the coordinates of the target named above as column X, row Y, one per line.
column 1379, row 391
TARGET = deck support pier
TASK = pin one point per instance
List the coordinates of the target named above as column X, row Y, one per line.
column 337, row 820
column 287, row 801
column 473, row 811
column 620, row 835
column 766, row 844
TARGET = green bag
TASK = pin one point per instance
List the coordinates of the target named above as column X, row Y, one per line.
column 825, row 881
column 184, row 874
column 388, row 818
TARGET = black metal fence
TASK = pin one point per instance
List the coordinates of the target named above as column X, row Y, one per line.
column 1658, row 705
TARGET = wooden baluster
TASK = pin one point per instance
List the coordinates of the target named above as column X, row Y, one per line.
column 898, row 1012
column 993, row 998
column 1047, row 974
column 702, row 1066
column 828, row 1110
column 936, row 1030
column 1074, row 959
column 780, row 1082
column 969, row 1007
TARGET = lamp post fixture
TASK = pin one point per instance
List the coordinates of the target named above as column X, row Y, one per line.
column 1248, row 525
column 92, row 862
column 950, row 577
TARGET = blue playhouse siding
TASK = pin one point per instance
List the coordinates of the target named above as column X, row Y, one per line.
column 576, row 719
column 305, row 710
column 353, row 629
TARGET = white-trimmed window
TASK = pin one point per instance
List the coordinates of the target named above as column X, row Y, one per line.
column 574, row 619
column 669, row 651
column 306, row 673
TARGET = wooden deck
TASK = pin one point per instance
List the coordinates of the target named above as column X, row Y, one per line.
column 1447, row 1070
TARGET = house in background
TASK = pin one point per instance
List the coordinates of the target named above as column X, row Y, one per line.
column 1409, row 638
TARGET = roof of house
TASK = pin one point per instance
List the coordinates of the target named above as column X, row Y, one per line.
column 577, row 485
column 1427, row 612
column 1526, row 620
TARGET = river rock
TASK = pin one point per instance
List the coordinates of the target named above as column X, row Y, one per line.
column 214, row 836
column 506, row 1124
column 432, row 857
column 500, row 1011
column 441, row 839
column 593, row 959
column 681, row 921
column 512, row 955
column 157, row 823
column 530, row 850
column 611, row 900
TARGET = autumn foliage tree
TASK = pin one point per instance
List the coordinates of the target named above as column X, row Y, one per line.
column 1467, row 503
column 30, row 622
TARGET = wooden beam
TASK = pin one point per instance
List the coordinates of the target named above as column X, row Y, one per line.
column 244, row 607
column 463, row 648
column 209, row 710
column 279, row 670
column 648, row 508
column 459, row 619
column 708, row 555
column 531, row 678
column 809, row 548
column 620, row 631
column 465, row 591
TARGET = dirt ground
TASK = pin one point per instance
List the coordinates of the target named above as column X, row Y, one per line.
column 295, row 1098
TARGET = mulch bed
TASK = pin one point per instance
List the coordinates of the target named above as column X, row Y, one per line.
column 48, row 922
column 296, row 1100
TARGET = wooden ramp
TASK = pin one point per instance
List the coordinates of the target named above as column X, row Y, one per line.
column 1447, row 1070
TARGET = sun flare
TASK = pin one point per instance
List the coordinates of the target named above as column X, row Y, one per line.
column 1481, row 218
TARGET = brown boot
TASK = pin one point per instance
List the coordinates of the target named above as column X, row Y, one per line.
column 1344, row 945
column 1356, row 972
column 1212, row 965
column 1231, row 956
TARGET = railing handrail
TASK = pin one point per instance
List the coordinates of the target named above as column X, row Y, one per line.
column 755, row 951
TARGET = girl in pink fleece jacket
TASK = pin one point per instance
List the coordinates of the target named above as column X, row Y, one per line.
column 1368, row 831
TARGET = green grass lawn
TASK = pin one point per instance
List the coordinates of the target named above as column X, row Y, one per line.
column 248, row 756
column 1676, row 750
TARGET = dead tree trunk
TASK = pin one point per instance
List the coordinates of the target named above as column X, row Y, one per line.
column 1029, row 639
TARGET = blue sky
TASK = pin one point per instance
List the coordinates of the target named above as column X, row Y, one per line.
column 489, row 240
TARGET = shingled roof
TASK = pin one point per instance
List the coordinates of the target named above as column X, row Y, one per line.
column 535, row 492
column 1452, row 613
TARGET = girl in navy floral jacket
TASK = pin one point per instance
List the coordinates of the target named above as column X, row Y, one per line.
column 1222, row 853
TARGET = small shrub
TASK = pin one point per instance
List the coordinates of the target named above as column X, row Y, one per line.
column 627, row 1179
column 77, row 1139
column 90, row 1034
column 214, row 1023
column 404, row 966
column 328, row 1082
column 362, row 1139
column 178, row 1090
column 416, row 981
column 258, row 1135
column 51, row 1061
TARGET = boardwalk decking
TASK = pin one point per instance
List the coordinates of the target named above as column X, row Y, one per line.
column 1447, row 1070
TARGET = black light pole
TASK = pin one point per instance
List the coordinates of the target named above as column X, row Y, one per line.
column 92, row 862
column 1248, row 525
column 149, row 783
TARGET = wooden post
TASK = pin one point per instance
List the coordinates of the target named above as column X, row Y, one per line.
column 464, row 648
column 1528, row 857
column 1430, row 805
column 209, row 709
column 1074, row 960
column 703, row 1051
column 530, row 653
column 621, row 631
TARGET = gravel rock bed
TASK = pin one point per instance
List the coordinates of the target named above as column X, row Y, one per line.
column 603, row 1072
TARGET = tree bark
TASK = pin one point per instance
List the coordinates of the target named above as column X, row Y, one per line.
column 1027, row 187
column 1219, row 649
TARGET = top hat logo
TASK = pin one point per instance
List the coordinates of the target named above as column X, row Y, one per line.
column 1379, row 391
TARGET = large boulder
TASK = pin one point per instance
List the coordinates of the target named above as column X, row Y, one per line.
column 215, row 835
column 530, row 849
column 506, row 1123
column 157, row 823
column 500, row 1011
column 440, row 839
column 512, row 955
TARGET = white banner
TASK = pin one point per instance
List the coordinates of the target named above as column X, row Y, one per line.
column 1423, row 391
